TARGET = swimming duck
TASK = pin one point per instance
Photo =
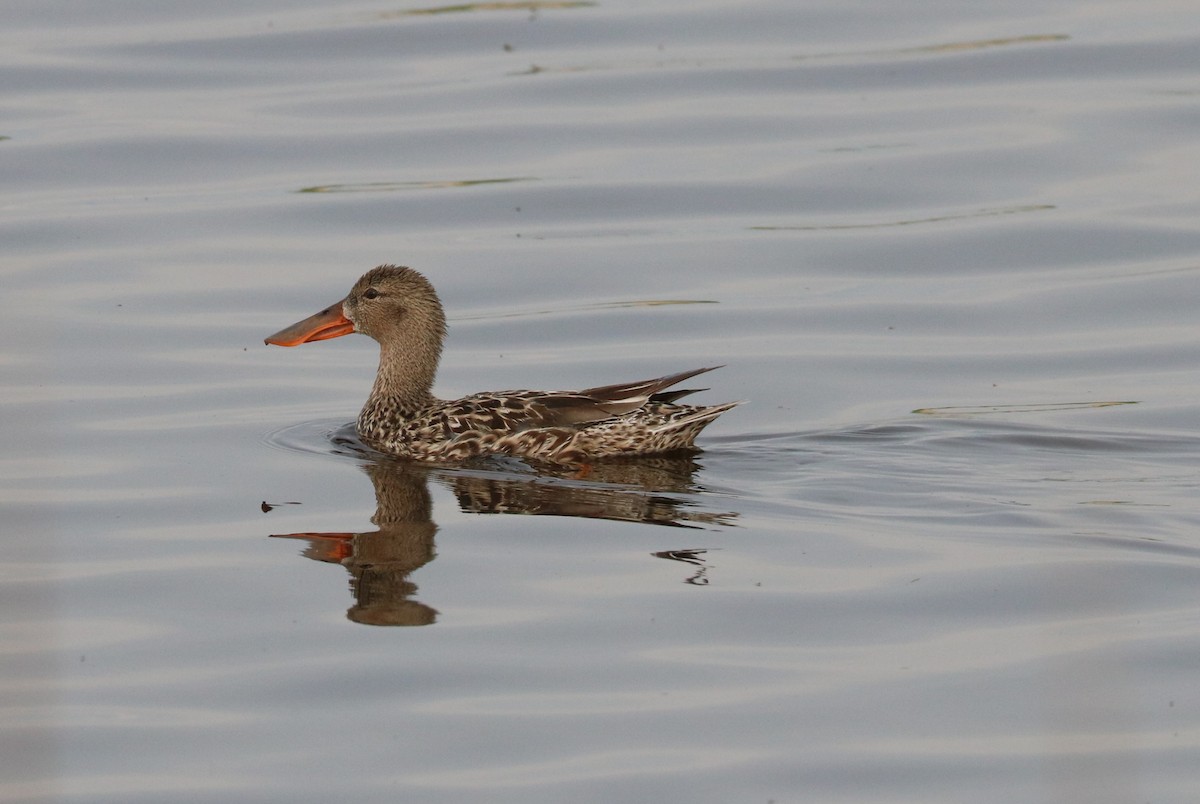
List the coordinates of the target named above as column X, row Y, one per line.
column 399, row 308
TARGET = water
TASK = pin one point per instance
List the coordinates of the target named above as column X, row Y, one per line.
column 947, row 552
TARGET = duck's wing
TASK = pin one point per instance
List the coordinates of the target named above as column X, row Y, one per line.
column 573, row 408
column 523, row 410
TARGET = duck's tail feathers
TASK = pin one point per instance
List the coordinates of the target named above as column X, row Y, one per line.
column 674, row 396
column 697, row 419
column 635, row 394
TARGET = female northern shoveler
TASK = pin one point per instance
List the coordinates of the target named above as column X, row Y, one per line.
column 399, row 308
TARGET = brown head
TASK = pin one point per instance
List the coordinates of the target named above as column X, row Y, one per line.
column 398, row 308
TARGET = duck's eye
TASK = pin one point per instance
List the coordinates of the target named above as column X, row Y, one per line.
column 370, row 293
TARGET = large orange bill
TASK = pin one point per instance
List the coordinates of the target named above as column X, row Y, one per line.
column 329, row 323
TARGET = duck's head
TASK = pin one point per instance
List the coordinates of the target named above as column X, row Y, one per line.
column 392, row 304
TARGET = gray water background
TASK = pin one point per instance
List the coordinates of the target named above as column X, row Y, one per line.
column 948, row 551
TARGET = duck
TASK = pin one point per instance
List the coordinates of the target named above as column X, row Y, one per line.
column 399, row 308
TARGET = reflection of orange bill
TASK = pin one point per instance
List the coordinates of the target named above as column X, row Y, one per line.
column 335, row 547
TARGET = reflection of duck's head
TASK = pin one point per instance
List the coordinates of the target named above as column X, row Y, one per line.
column 380, row 562
column 382, row 598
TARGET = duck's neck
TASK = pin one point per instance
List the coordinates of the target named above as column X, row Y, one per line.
column 404, row 382
column 409, row 352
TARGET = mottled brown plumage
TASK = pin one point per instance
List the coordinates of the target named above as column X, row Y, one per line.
column 400, row 309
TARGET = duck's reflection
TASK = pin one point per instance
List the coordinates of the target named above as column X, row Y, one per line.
column 379, row 562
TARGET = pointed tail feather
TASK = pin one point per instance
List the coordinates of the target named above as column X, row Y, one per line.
column 701, row 418
column 674, row 396
column 640, row 390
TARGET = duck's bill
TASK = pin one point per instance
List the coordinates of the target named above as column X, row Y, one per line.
column 329, row 323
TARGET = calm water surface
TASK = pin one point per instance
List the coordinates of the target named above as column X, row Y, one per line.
column 948, row 551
